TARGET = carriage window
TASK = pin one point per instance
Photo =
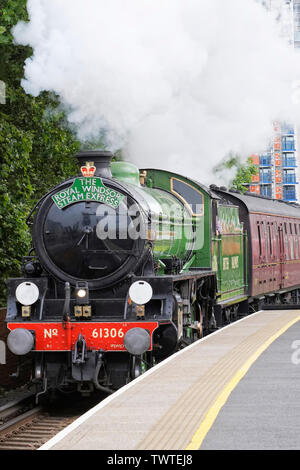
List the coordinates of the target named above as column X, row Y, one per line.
column 276, row 240
column 296, row 229
column 285, row 228
column 270, row 239
column 189, row 195
column 291, row 243
column 266, row 238
column 259, row 238
column 292, row 249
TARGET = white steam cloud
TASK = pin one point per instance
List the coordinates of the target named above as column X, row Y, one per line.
column 176, row 83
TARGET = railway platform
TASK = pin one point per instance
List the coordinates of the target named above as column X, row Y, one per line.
column 237, row 388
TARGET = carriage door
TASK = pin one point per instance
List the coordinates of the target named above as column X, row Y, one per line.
column 281, row 256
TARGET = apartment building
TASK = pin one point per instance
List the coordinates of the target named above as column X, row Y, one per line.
column 278, row 170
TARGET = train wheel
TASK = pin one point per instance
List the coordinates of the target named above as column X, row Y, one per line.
column 135, row 367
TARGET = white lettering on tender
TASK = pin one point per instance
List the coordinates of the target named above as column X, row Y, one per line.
column 225, row 264
column 235, row 262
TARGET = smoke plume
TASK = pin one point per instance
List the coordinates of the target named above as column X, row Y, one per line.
column 177, row 84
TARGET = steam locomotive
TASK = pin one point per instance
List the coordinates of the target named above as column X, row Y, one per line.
column 130, row 265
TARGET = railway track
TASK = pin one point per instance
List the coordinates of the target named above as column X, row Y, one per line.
column 29, row 429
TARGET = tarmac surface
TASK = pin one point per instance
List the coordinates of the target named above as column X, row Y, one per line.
column 263, row 411
column 237, row 388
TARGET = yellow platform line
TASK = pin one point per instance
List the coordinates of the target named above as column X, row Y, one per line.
column 213, row 412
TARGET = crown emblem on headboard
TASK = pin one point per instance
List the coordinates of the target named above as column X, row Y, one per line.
column 88, row 170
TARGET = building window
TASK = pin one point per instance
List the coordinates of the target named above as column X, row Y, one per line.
column 266, row 190
column 288, row 159
column 265, row 176
column 265, row 160
column 288, row 143
column 289, row 177
column 289, row 193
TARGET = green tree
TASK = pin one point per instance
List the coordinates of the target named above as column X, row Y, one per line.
column 36, row 146
column 241, row 172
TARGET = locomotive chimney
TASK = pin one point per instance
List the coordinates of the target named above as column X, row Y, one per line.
column 101, row 159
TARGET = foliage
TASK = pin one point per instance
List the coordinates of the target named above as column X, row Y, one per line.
column 36, row 146
column 242, row 172
column 11, row 11
column 15, row 193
